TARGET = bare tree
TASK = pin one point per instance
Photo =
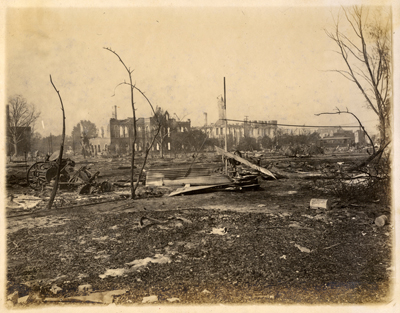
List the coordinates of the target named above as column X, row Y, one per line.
column 55, row 187
column 21, row 115
column 132, row 88
column 129, row 71
column 366, row 51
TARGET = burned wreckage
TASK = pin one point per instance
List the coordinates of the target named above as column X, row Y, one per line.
column 43, row 173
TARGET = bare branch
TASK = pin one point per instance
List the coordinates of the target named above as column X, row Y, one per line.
column 132, row 87
column 358, row 120
column 343, row 73
column 134, row 122
column 373, row 54
column 351, row 23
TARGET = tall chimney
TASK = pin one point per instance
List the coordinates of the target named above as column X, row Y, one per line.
column 115, row 111
column 205, row 118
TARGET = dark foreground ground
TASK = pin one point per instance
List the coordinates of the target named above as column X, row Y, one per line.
column 264, row 246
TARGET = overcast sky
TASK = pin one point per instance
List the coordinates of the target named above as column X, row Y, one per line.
column 274, row 58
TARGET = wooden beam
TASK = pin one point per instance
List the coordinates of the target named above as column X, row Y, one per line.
column 195, row 189
column 245, row 162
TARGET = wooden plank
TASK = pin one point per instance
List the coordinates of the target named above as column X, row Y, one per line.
column 199, row 181
column 186, row 190
column 245, row 162
column 309, row 175
column 160, row 180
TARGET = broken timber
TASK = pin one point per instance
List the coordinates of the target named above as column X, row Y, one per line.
column 178, row 176
column 245, row 162
column 196, row 189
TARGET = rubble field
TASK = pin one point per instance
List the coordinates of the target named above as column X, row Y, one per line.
column 263, row 245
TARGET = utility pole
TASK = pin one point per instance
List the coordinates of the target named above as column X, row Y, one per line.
column 226, row 130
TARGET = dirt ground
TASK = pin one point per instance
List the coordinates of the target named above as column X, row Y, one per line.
column 254, row 246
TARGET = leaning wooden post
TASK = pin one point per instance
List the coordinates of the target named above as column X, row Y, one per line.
column 55, row 187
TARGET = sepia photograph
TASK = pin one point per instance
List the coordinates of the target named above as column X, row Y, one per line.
column 164, row 155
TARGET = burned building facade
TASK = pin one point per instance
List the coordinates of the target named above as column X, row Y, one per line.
column 122, row 133
column 236, row 131
column 253, row 129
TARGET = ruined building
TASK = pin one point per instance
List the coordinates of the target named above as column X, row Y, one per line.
column 122, row 132
column 339, row 137
column 235, row 131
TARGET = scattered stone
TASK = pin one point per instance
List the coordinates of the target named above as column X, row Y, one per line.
column 36, row 297
column 113, row 272
column 380, row 221
column 173, row 300
column 106, row 297
column 9, row 304
column 205, row 291
column 219, row 231
column 320, row 204
column 150, row 299
column 189, row 245
column 80, row 276
column 24, row 201
column 55, row 289
column 13, row 297
column 85, row 288
column 101, row 238
column 283, row 257
column 302, row 249
column 158, row 258
column 23, row 300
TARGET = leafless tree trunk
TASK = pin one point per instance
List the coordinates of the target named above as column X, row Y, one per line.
column 134, row 121
column 132, row 87
column 368, row 59
column 55, row 187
